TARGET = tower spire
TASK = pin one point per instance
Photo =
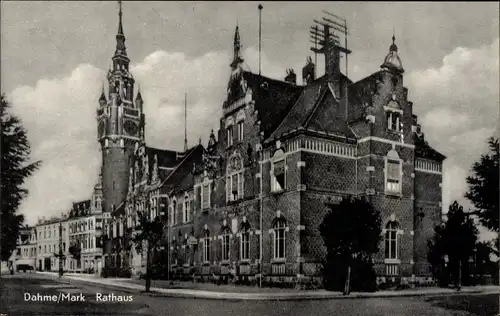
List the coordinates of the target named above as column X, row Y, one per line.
column 236, row 48
column 120, row 37
column 185, row 123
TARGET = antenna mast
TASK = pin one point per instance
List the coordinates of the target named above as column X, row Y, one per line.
column 325, row 37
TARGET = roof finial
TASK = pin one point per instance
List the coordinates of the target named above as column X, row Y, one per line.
column 393, row 34
column 394, row 47
column 120, row 14
column 237, row 48
column 103, row 94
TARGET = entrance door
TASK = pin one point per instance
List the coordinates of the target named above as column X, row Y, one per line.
column 48, row 264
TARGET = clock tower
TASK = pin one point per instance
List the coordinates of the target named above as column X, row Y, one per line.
column 120, row 123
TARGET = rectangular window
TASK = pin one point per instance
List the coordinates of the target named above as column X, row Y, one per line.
column 393, row 121
column 229, row 133
column 186, row 210
column 240, row 186
column 234, row 187
column 206, row 249
column 205, row 196
column 245, row 246
column 278, row 176
column 225, row 247
column 393, row 177
column 240, row 131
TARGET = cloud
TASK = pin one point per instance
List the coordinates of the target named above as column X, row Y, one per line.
column 59, row 114
column 457, row 104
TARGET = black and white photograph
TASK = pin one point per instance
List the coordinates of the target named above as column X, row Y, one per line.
column 249, row 158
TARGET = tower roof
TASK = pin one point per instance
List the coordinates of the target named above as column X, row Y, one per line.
column 237, row 48
column 139, row 96
column 103, row 95
column 392, row 60
column 120, row 37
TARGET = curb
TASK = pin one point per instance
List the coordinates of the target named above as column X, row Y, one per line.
column 228, row 296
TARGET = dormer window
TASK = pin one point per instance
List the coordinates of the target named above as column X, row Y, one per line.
column 394, row 115
column 393, row 121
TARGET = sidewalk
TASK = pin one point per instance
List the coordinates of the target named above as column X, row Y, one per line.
column 230, row 292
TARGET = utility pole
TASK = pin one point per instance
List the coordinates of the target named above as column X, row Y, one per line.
column 459, row 275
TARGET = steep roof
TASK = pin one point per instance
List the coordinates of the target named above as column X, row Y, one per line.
column 181, row 177
column 424, row 150
column 166, row 158
column 317, row 109
column 273, row 99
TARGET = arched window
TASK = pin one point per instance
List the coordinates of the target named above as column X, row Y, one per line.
column 234, row 180
column 393, row 173
column 206, row 246
column 174, row 212
column 240, row 119
column 186, row 210
column 226, row 243
column 391, row 240
column 279, row 228
column 175, row 252
column 245, row 241
column 229, row 132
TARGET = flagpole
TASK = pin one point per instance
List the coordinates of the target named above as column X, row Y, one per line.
column 260, row 35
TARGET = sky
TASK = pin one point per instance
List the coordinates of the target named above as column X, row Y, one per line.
column 54, row 56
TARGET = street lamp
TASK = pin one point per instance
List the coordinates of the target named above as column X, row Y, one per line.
column 60, row 254
column 99, row 244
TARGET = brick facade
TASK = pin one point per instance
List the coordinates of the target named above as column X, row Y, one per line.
column 281, row 153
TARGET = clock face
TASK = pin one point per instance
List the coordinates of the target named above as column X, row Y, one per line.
column 131, row 128
column 101, row 128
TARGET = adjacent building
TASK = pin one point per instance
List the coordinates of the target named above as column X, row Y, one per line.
column 84, row 223
column 251, row 202
column 24, row 257
column 48, row 243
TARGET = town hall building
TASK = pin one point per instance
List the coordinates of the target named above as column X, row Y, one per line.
column 250, row 203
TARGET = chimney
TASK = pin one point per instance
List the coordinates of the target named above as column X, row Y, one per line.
column 308, row 72
column 291, row 77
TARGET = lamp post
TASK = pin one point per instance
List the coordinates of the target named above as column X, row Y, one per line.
column 99, row 244
column 60, row 254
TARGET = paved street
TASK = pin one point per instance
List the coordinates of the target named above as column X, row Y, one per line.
column 13, row 289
